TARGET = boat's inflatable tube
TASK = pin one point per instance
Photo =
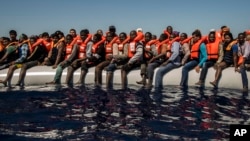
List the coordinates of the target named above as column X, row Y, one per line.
column 39, row 75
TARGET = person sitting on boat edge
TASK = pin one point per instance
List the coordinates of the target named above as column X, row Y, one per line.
column 23, row 51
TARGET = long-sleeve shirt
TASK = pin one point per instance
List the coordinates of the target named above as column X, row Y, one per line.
column 175, row 50
column 73, row 54
column 89, row 49
column 138, row 55
column 203, row 54
column 122, row 55
column 23, row 53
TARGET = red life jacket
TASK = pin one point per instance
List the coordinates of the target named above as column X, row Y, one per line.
column 109, row 47
column 121, row 44
column 169, row 46
column 213, row 49
column 69, row 49
column 82, row 48
column 148, row 48
column 159, row 44
column 166, row 32
column 195, row 49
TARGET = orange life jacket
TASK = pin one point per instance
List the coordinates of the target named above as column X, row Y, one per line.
column 69, row 49
column 139, row 36
column 166, row 32
column 96, row 45
column 213, row 49
column 148, row 48
column 169, row 46
column 121, row 44
column 159, row 44
column 186, row 40
column 82, row 48
column 109, row 46
column 195, row 49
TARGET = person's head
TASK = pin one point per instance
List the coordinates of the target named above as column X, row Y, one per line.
column 68, row 38
column 99, row 31
column 6, row 41
column 55, row 38
column 228, row 37
column 60, row 34
column 72, row 32
column 139, row 30
column 112, row 28
column 33, row 39
column 241, row 38
column 84, row 34
column 211, row 36
column 23, row 37
column 172, row 36
column 154, row 37
column 183, row 36
column 97, row 38
column 196, row 35
column 148, row 36
column 169, row 29
column 109, row 37
column 163, row 37
column 45, row 36
column 122, row 36
column 13, row 34
column 132, row 35
column 224, row 29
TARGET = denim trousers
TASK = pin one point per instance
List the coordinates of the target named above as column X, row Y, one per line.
column 244, row 79
column 185, row 70
column 205, row 68
column 161, row 72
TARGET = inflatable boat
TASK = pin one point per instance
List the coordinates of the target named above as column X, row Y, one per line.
column 39, row 75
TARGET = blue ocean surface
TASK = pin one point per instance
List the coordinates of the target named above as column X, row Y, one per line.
column 89, row 113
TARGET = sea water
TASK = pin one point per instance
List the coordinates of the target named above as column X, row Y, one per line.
column 92, row 113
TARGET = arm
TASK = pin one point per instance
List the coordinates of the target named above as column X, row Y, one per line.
column 61, row 48
column 89, row 49
column 137, row 56
column 221, row 53
column 124, row 55
column 175, row 51
column 186, row 50
column 203, row 54
column 73, row 54
column 235, row 56
column 24, row 54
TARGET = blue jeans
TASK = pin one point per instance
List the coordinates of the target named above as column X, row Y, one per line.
column 161, row 72
column 185, row 70
column 244, row 77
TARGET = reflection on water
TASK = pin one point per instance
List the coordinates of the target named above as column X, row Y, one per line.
column 41, row 113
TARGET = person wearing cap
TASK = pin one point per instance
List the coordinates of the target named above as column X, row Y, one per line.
column 243, row 58
column 214, row 55
column 23, row 50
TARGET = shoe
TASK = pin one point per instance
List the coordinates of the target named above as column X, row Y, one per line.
column 4, row 83
column 199, row 83
column 244, row 90
column 213, row 83
column 142, row 82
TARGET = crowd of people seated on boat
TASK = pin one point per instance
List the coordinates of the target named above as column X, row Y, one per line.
column 124, row 52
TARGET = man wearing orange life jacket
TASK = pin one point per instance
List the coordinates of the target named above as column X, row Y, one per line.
column 72, row 51
column 173, row 61
column 197, row 57
column 111, row 48
column 34, row 59
column 118, row 59
column 243, row 58
column 97, row 56
column 214, row 47
column 84, row 52
column 56, row 53
column 157, row 60
column 23, row 51
column 168, row 31
column 45, row 40
column 5, row 41
column 149, row 51
column 135, row 53
column 230, row 50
